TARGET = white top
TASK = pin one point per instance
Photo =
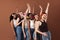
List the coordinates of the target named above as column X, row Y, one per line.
column 32, row 24
column 15, row 21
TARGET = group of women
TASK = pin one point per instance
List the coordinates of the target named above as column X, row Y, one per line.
column 30, row 26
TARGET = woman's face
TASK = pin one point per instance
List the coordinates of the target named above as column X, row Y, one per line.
column 36, row 17
column 21, row 14
column 44, row 16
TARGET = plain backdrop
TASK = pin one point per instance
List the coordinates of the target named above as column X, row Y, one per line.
column 9, row 6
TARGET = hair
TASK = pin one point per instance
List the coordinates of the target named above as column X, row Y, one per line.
column 18, row 16
column 32, row 15
column 11, row 17
column 43, row 13
column 29, row 14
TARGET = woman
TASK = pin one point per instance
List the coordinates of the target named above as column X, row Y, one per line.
column 31, row 23
column 26, row 28
column 15, row 22
column 25, row 24
column 37, row 25
column 43, row 27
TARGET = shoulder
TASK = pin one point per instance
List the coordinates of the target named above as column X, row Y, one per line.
column 17, row 19
column 40, row 22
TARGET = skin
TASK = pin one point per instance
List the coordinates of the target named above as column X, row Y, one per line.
column 23, row 25
column 11, row 24
column 38, row 23
column 44, row 16
column 25, row 19
column 17, row 22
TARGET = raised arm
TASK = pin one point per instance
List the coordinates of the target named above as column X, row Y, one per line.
column 33, row 10
column 28, row 10
column 46, row 11
column 40, row 10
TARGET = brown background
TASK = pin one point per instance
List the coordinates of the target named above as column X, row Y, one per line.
column 9, row 6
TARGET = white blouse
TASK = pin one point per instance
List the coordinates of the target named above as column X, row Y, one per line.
column 32, row 24
column 15, row 21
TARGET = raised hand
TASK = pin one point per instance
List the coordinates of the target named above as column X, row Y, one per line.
column 46, row 11
column 40, row 7
column 28, row 5
column 29, row 8
column 48, row 4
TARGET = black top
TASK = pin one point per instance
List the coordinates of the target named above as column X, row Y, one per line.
column 43, row 27
column 21, row 22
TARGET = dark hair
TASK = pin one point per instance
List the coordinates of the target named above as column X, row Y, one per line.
column 43, row 13
column 29, row 14
column 32, row 16
column 11, row 17
column 18, row 16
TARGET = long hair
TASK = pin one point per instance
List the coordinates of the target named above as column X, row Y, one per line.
column 11, row 17
column 18, row 16
column 42, row 14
